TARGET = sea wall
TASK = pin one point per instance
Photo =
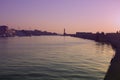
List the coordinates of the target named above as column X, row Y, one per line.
column 113, row 72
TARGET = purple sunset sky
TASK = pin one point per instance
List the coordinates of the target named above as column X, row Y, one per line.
column 55, row 15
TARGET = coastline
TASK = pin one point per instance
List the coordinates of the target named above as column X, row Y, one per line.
column 113, row 72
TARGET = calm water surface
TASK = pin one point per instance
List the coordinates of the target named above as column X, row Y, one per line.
column 53, row 58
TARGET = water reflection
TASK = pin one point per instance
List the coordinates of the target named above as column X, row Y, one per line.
column 53, row 58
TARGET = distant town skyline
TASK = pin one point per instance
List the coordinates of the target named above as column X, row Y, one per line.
column 55, row 15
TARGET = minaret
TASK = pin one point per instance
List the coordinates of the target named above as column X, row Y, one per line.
column 64, row 32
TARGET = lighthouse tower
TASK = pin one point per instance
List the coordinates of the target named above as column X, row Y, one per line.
column 64, row 32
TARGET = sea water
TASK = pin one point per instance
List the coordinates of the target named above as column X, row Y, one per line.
column 53, row 58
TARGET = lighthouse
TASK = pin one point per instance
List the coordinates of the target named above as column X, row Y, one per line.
column 64, row 32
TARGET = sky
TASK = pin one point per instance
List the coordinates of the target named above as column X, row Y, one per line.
column 55, row 15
